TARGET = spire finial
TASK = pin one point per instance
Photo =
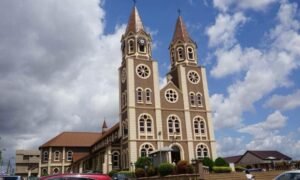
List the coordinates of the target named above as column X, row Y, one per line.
column 134, row 2
column 179, row 11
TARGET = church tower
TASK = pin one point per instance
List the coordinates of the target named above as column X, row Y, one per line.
column 139, row 93
column 187, row 81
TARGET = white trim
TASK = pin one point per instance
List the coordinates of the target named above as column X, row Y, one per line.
column 176, row 93
column 146, row 143
column 208, row 150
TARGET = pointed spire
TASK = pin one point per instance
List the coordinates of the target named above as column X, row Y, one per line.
column 180, row 32
column 134, row 23
column 104, row 126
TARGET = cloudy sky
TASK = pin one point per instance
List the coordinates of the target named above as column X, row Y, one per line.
column 59, row 60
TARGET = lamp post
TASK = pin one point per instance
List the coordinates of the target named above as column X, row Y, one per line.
column 160, row 148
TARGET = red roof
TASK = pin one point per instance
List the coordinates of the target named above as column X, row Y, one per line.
column 73, row 139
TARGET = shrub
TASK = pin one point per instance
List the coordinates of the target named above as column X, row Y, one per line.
column 208, row 162
column 112, row 172
column 221, row 162
column 151, row 171
column 190, row 169
column 181, row 167
column 166, row 169
column 140, row 172
column 221, row 169
column 142, row 162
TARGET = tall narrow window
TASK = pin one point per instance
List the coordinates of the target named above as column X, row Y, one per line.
column 174, row 126
column 192, row 98
column 145, row 123
column 190, row 53
column 56, row 156
column 45, row 156
column 115, row 159
column 69, row 156
column 180, row 53
column 148, row 96
column 125, row 128
column 199, row 99
column 200, row 128
column 130, row 46
column 139, row 95
column 142, row 45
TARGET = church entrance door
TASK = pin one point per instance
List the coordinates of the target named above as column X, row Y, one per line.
column 175, row 154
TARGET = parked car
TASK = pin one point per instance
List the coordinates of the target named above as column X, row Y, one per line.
column 289, row 175
column 7, row 177
column 92, row 176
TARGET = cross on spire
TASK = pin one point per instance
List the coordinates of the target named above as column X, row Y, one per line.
column 134, row 2
column 179, row 11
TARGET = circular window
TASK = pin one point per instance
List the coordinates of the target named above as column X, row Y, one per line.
column 193, row 77
column 171, row 95
column 143, row 71
column 123, row 75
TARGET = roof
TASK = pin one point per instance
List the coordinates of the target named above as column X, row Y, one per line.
column 232, row 159
column 269, row 155
column 134, row 23
column 27, row 152
column 73, row 139
column 180, row 32
column 104, row 124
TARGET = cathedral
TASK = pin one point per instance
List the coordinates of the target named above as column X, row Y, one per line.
column 174, row 121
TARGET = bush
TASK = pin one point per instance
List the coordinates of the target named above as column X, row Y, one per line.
column 151, row 171
column 221, row 162
column 112, row 172
column 166, row 169
column 208, row 162
column 140, row 172
column 190, row 169
column 221, row 169
column 181, row 167
column 142, row 162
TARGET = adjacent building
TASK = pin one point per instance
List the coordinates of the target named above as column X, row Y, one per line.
column 27, row 163
column 58, row 154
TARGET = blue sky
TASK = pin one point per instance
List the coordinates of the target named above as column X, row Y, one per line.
column 59, row 61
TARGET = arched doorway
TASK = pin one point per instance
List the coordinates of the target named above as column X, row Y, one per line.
column 175, row 154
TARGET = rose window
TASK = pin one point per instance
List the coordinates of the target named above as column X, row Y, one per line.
column 171, row 95
column 193, row 77
column 143, row 71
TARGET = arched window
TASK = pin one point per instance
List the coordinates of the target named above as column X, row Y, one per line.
column 125, row 128
column 124, row 98
column 139, row 95
column 44, row 172
column 142, row 45
column 199, row 128
column 192, row 98
column 130, row 46
column 148, row 96
column 69, row 156
column 199, row 99
column 145, row 124
column 202, row 151
column 56, row 156
column 146, row 149
column 180, row 53
column 174, row 126
column 115, row 160
column 190, row 53
column 45, row 156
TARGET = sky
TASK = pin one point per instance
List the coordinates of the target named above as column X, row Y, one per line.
column 59, row 62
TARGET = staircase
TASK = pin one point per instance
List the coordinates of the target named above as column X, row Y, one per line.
column 268, row 175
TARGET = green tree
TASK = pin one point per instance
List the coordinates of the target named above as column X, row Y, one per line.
column 208, row 162
column 142, row 162
column 221, row 162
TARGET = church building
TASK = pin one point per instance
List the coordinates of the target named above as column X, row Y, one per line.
column 175, row 119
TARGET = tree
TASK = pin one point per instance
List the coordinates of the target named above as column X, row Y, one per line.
column 142, row 162
column 208, row 162
column 221, row 162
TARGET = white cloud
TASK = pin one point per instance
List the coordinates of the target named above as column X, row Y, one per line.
column 230, row 146
column 58, row 71
column 284, row 102
column 223, row 31
column 225, row 5
column 264, row 70
column 263, row 129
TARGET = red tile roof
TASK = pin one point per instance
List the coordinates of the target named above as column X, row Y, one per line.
column 73, row 139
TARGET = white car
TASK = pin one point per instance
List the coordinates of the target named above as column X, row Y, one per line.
column 289, row 175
